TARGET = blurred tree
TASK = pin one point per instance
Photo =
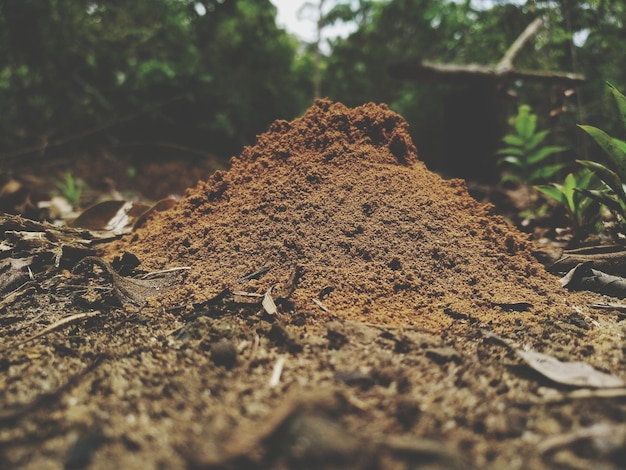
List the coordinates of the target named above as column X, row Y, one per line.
column 211, row 73
column 461, row 32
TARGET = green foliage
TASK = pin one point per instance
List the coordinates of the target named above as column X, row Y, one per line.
column 613, row 173
column 582, row 210
column 227, row 70
column 70, row 188
column 68, row 66
column 526, row 159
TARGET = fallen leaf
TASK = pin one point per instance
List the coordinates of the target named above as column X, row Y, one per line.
column 127, row 290
column 610, row 306
column 576, row 374
column 160, row 206
column 117, row 217
column 268, row 303
column 582, row 277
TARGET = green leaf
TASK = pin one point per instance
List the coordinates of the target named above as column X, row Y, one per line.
column 535, row 140
column 543, row 153
column 511, row 177
column 603, row 198
column 621, row 102
column 554, row 192
column 613, row 150
column 568, row 190
column 610, row 178
column 512, row 161
column 569, row 183
column 587, row 179
column 511, row 151
column 546, row 172
column 512, row 139
column 620, row 143
column 525, row 122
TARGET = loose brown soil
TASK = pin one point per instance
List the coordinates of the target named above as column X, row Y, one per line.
column 385, row 278
column 340, row 196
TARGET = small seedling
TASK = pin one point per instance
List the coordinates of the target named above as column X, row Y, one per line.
column 70, row 188
column 526, row 160
column 582, row 211
column 613, row 173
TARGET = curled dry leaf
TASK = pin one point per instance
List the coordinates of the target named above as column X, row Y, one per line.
column 268, row 303
column 127, row 290
column 575, row 374
column 118, row 217
column 582, row 277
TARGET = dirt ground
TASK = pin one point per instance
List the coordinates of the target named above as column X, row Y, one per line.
column 360, row 336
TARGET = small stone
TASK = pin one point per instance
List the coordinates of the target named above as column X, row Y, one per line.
column 224, row 353
column 443, row 355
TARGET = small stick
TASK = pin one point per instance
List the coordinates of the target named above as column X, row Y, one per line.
column 276, row 373
column 61, row 323
column 164, row 271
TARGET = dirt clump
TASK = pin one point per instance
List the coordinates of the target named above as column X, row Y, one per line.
column 340, row 198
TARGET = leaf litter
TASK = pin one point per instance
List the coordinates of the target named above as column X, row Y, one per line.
column 334, row 207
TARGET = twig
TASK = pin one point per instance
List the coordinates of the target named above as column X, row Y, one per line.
column 59, row 324
column 163, row 271
column 170, row 145
column 87, row 132
column 276, row 373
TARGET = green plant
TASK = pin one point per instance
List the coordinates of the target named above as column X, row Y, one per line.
column 582, row 210
column 70, row 188
column 613, row 173
column 526, row 160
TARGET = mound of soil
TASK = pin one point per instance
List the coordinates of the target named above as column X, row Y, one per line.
column 339, row 198
column 403, row 371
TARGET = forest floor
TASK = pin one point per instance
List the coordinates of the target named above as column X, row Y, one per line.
column 91, row 380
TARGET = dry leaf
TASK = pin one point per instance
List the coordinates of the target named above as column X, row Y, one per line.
column 268, row 303
column 576, row 374
column 117, row 217
column 582, row 277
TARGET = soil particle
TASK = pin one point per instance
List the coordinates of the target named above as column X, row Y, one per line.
column 224, row 353
column 340, row 195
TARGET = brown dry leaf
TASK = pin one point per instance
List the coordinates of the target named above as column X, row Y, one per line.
column 576, row 374
column 126, row 289
column 117, row 217
column 582, row 277
column 160, row 206
column 268, row 303
column 610, row 306
column 14, row 271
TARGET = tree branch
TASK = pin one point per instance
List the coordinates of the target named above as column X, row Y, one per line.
column 506, row 63
column 475, row 73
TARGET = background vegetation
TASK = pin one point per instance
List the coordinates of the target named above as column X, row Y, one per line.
column 209, row 75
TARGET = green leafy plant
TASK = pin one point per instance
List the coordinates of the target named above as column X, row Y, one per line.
column 526, row 160
column 613, row 173
column 70, row 188
column 582, row 210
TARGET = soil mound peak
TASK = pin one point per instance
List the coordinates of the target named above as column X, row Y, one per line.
column 340, row 197
column 330, row 131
